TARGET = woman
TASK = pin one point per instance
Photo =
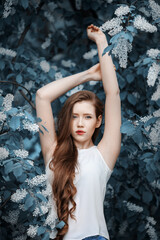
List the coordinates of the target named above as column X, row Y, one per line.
column 81, row 169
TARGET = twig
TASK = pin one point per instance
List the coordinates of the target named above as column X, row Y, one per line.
column 29, row 100
column 32, row 104
column 5, row 202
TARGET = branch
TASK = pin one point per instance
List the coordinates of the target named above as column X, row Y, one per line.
column 32, row 104
column 29, row 100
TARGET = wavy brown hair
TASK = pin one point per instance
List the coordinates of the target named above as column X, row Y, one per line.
column 65, row 158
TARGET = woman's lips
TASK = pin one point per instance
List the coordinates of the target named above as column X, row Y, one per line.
column 80, row 132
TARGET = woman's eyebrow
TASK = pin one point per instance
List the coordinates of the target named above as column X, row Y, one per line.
column 83, row 113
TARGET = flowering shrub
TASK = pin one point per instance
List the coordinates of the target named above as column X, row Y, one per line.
column 43, row 41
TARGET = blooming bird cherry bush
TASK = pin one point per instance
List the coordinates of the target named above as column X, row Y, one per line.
column 43, row 41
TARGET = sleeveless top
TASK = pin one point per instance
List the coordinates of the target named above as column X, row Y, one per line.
column 90, row 180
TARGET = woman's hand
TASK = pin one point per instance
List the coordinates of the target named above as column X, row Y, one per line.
column 95, row 34
column 94, row 73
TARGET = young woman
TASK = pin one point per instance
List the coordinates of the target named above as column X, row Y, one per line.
column 81, row 169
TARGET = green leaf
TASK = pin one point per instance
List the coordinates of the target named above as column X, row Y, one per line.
column 146, row 61
column 127, row 128
column 24, row 3
column 60, row 224
column 130, row 28
column 14, row 123
column 41, row 197
column 41, row 230
column 29, row 202
column 107, row 49
column 147, row 197
column 45, row 236
column 19, row 78
column 17, row 171
column 131, row 99
column 8, row 167
column 2, row 64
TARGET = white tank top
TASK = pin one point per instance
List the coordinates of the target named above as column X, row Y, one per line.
column 91, row 178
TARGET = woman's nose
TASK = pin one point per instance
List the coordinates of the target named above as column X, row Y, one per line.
column 80, row 122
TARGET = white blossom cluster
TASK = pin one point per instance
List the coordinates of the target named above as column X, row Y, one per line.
column 155, row 133
column 121, row 51
column 92, row 83
column 110, row 190
column 115, row 30
column 21, row 153
column 49, row 16
column 48, row 191
column 156, row 94
column 133, row 207
column 2, row 116
column 151, row 220
column 3, row 153
column 123, row 227
column 30, row 162
column 122, row 10
column 68, row 63
column 114, row 25
column 22, row 237
column 37, row 212
column 153, row 53
column 145, row 118
column 21, row 206
column 7, row 8
column 111, row 224
column 155, row 9
column 151, row 232
column 49, row 11
column 18, row 195
column 37, row 180
column 58, row 75
column 90, row 54
column 153, row 74
column 142, row 24
column 156, row 113
column 45, row 66
column 143, row 10
column 7, row 102
column 12, row 216
column 32, row 127
column 78, row 4
column 47, row 42
column 32, row 231
column 28, row 85
column 155, row 184
column 110, row 24
column 74, row 90
column 21, row 27
column 7, row 52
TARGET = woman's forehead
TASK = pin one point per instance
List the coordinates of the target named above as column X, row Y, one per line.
column 84, row 106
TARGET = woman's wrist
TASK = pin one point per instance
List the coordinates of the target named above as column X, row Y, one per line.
column 102, row 41
column 84, row 77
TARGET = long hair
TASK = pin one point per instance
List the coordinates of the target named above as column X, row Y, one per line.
column 64, row 160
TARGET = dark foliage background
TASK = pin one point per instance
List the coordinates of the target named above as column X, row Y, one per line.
column 42, row 41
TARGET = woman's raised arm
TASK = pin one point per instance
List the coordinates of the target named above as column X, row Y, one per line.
column 110, row 143
column 44, row 96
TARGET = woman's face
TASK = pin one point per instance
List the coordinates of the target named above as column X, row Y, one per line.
column 84, row 122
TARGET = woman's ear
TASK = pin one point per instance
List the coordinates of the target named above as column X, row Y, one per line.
column 99, row 121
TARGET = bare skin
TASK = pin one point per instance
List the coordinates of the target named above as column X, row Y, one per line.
column 110, row 144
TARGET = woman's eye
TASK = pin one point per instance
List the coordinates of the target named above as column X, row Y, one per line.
column 88, row 117
column 74, row 116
